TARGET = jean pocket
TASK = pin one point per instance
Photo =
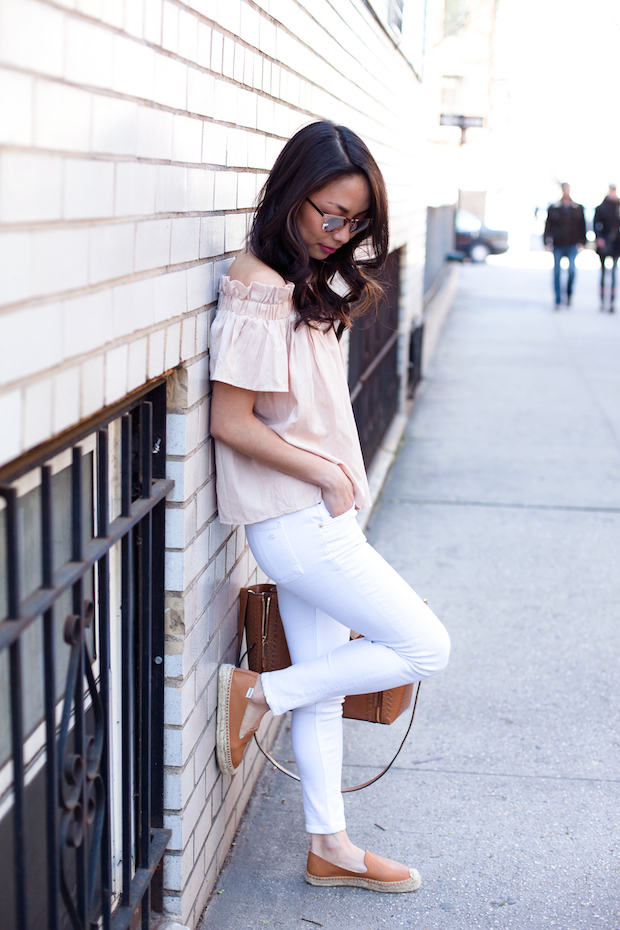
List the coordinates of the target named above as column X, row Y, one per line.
column 341, row 516
column 273, row 552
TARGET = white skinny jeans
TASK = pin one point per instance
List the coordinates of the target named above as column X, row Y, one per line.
column 330, row 580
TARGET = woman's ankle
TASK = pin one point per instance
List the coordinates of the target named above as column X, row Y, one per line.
column 255, row 710
column 325, row 843
column 338, row 849
column 258, row 700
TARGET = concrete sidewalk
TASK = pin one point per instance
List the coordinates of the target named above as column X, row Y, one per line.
column 503, row 509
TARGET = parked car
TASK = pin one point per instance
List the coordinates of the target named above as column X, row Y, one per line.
column 476, row 240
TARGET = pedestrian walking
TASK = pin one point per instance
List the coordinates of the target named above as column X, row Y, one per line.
column 289, row 467
column 565, row 235
column 607, row 230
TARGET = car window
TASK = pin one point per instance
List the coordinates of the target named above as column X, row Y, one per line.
column 467, row 222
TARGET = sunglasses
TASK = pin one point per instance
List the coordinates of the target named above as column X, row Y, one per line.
column 336, row 222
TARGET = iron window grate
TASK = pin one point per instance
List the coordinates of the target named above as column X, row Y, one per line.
column 81, row 641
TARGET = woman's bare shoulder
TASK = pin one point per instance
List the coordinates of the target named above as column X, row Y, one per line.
column 247, row 268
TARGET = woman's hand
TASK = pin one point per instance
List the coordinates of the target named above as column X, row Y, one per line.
column 338, row 492
column 233, row 422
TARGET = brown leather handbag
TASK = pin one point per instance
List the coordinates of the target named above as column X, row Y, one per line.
column 267, row 651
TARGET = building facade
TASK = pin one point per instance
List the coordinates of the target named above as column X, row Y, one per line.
column 471, row 85
column 134, row 138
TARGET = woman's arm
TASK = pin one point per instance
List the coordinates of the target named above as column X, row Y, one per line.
column 233, row 422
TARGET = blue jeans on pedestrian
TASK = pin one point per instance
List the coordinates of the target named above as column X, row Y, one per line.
column 559, row 252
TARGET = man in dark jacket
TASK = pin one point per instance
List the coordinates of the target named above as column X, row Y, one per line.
column 565, row 235
column 607, row 229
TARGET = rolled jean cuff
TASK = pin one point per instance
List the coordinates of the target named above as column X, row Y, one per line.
column 325, row 829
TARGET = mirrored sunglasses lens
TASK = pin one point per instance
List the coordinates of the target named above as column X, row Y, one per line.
column 359, row 225
column 334, row 222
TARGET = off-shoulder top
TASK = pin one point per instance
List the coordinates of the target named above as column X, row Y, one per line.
column 303, row 396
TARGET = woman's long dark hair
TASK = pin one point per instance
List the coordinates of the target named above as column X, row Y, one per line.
column 315, row 156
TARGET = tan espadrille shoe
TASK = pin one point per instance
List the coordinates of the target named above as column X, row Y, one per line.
column 234, row 689
column 379, row 875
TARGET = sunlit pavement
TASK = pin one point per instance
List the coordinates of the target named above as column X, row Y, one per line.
column 503, row 509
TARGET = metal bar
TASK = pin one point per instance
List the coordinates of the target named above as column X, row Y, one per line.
column 79, row 729
column 47, row 547
column 71, row 823
column 146, row 651
column 12, row 562
column 127, row 703
column 95, row 802
column 125, row 914
column 103, row 577
column 103, row 517
column 146, row 447
column 158, row 399
column 373, row 365
column 49, row 670
column 157, row 691
column 126, row 465
column 76, row 508
column 127, row 660
column 38, row 603
column 17, row 722
column 17, row 730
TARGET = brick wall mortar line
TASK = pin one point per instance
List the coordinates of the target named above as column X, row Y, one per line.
column 237, row 39
column 118, row 282
column 153, row 104
column 217, row 27
column 93, row 21
column 190, row 455
column 181, row 411
column 194, row 580
column 77, row 361
column 140, row 101
column 108, row 92
column 97, row 221
column 380, row 32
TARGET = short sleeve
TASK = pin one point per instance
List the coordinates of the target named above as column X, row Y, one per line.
column 249, row 336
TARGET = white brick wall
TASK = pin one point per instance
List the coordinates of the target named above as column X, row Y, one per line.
column 133, row 139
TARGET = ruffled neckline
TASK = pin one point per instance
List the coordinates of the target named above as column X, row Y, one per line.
column 261, row 293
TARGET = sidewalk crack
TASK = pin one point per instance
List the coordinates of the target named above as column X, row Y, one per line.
column 500, row 504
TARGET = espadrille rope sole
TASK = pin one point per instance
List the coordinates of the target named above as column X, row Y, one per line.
column 411, row 884
column 222, row 735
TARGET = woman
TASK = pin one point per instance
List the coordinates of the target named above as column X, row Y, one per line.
column 289, row 467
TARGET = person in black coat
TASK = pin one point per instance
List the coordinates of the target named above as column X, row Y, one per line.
column 565, row 235
column 607, row 229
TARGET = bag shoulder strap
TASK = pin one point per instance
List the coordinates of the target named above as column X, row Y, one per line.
column 243, row 604
column 371, row 781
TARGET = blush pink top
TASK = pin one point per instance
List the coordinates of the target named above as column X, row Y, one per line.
column 303, row 396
